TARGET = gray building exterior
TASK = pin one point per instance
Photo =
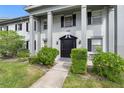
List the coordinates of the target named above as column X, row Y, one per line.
column 71, row 26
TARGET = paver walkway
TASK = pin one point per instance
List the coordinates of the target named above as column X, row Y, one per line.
column 55, row 77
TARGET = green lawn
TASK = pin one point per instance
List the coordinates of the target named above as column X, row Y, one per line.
column 18, row 74
column 89, row 81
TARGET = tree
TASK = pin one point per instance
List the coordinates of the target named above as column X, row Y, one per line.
column 10, row 43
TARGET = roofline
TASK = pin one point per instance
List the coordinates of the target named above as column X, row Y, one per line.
column 14, row 20
column 30, row 7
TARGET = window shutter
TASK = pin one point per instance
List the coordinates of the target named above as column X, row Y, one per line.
column 89, row 15
column 20, row 26
column 74, row 19
column 89, row 45
column 27, row 44
column 62, row 21
column 15, row 27
column 34, row 25
column 7, row 28
column 35, row 44
column 27, row 27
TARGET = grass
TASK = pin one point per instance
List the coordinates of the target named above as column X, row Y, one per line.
column 89, row 81
column 18, row 74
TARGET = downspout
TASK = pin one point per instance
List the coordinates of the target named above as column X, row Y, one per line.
column 115, row 29
column 107, row 29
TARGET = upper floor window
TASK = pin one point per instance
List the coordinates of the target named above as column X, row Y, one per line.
column 20, row 27
column 45, row 24
column 94, row 17
column 94, row 43
column 68, row 21
column 27, row 26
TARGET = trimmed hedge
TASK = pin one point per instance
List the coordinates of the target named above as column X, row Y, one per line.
column 79, row 60
column 47, row 55
column 109, row 65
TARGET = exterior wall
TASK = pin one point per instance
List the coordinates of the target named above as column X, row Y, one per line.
column 120, row 30
column 94, row 30
column 23, row 32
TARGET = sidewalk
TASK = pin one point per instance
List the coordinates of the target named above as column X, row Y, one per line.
column 55, row 77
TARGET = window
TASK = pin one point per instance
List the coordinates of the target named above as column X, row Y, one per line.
column 27, row 24
column 34, row 25
column 89, row 15
column 20, row 27
column 27, row 44
column 15, row 27
column 96, row 17
column 45, row 24
column 93, row 44
column 68, row 21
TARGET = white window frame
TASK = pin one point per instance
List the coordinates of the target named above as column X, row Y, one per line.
column 18, row 28
column 71, row 20
column 101, row 44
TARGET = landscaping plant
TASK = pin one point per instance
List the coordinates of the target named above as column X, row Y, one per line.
column 109, row 65
column 79, row 60
column 47, row 55
column 10, row 43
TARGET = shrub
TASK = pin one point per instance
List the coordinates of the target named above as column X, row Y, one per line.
column 34, row 60
column 47, row 55
column 109, row 65
column 10, row 43
column 23, row 53
column 79, row 60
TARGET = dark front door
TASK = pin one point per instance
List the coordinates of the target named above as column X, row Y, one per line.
column 67, row 44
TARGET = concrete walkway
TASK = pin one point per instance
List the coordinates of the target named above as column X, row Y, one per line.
column 55, row 77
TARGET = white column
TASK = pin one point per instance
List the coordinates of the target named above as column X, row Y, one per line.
column 83, row 26
column 104, row 28
column 49, row 28
column 38, row 31
column 111, row 29
column 32, row 35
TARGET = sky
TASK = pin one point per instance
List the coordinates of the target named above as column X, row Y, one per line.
column 12, row 11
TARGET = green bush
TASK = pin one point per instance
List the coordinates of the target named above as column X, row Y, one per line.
column 23, row 53
column 79, row 60
column 10, row 43
column 47, row 55
column 34, row 60
column 109, row 65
